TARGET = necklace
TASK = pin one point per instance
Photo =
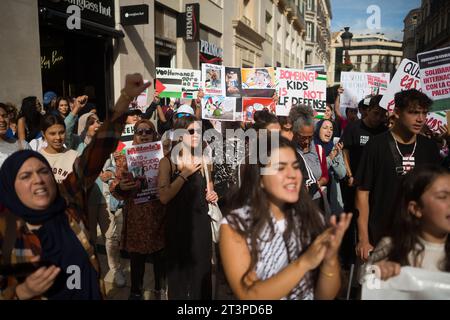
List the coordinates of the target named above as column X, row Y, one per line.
column 408, row 162
column 398, row 149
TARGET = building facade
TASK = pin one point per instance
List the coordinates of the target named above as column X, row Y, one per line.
column 45, row 55
column 368, row 53
column 427, row 28
column 318, row 36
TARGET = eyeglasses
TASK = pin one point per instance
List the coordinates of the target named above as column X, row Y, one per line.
column 194, row 131
column 142, row 132
column 183, row 114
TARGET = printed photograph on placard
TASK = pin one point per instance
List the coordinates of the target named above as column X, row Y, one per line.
column 251, row 105
column 221, row 108
column 213, row 79
column 233, row 82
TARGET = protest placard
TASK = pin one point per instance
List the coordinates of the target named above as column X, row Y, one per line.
column 143, row 164
column 177, row 83
column 141, row 102
column 411, row 284
column 258, row 82
column 435, row 120
column 222, row 108
column 233, row 82
column 359, row 85
column 251, row 105
column 435, row 77
column 213, row 79
column 126, row 139
column 300, row 87
column 407, row 77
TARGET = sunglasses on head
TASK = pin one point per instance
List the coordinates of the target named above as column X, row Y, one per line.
column 183, row 114
column 193, row 131
column 142, row 132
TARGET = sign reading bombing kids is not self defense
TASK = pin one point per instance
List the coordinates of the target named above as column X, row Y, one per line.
column 300, row 87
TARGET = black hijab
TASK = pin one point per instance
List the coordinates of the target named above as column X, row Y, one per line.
column 60, row 246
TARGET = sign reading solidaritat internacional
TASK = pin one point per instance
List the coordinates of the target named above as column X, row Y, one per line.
column 177, row 83
column 359, row 85
column 407, row 77
column 435, row 77
column 143, row 164
column 300, row 87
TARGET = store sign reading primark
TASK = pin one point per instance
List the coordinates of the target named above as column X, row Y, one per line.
column 210, row 49
column 192, row 22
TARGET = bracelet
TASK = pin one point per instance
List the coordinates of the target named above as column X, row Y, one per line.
column 125, row 95
column 185, row 179
column 329, row 275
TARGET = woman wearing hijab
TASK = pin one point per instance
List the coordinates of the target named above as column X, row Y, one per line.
column 55, row 215
column 332, row 161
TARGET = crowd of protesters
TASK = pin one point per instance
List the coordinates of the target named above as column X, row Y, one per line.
column 363, row 187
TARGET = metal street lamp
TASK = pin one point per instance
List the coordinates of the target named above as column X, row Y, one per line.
column 346, row 43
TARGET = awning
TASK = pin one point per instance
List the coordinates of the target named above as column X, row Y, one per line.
column 90, row 28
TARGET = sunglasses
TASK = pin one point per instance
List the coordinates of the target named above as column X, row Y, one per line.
column 194, row 131
column 183, row 114
column 142, row 132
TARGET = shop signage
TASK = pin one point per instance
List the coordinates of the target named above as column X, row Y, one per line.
column 134, row 15
column 192, row 22
column 99, row 11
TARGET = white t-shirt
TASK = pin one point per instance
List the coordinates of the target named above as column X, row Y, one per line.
column 7, row 148
column 61, row 163
column 431, row 258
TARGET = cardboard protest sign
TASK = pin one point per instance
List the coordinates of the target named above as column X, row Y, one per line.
column 300, row 87
column 435, row 120
column 177, row 83
column 359, row 85
column 143, row 164
column 141, row 102
column 251, row 105
column 258, row 82
column 126, row 140
column 435, row 77
column 233, row 82
column 222, row 108
column 407, row 77
column 213, row 79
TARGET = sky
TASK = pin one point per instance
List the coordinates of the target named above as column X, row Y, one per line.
column 353, row 14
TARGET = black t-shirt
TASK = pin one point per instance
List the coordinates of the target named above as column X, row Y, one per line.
column 355, row 137
column 377, row 173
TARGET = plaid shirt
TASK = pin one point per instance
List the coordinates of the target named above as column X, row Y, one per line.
column 74, row 189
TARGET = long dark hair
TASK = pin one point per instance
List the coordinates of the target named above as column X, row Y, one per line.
column 32, row 117
column 303, row 217
column 405, row 227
